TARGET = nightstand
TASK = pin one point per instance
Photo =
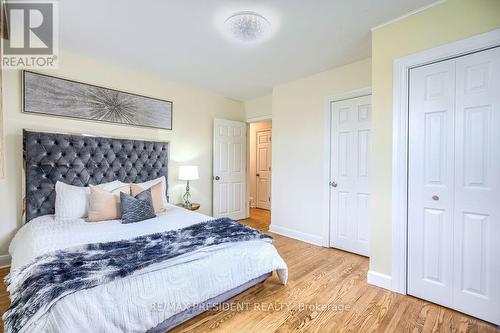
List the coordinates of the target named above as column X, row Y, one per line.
column 194, row 206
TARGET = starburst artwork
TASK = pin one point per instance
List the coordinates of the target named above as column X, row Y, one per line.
column 49, row 95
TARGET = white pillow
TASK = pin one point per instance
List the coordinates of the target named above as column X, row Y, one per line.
column 111, row 186
column 163, row 181
column 72, row 202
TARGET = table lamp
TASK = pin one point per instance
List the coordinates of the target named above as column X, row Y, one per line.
column 188, row 172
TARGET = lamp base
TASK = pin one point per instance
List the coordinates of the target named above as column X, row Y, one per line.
column 187, row 197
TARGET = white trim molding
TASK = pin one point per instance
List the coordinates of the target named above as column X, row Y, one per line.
column 298, row 235
column 379, row 280
column 349, row 95
column 327, row 151
column 259, row 118
column 5, row 260
column 413, row 12
column 401, row 69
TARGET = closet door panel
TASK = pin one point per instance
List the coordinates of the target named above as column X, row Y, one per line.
column 430, row 195
column 477, row 186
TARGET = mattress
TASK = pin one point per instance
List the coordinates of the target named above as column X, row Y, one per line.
column 146, row 299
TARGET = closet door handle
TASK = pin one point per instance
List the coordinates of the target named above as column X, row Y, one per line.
column 435, row 197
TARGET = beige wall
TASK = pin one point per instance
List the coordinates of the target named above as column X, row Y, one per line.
column 300, row 144
column 1, row 126
column 191, row 137
column 442, row 24
column 252, row 154
column 259, row 107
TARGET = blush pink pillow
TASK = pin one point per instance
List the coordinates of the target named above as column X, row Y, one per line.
column 105, row 205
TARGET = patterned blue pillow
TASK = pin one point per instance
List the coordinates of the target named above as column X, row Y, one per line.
column 138, row 208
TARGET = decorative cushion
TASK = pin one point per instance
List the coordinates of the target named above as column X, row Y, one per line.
column 156, row 195
column 105, row 205
column 138, row 208
column 163, row 182
column 72, row 202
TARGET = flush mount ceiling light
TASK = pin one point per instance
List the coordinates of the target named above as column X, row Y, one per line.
column 247, row 26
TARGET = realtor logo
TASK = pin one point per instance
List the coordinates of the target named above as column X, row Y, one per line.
column 32, row 35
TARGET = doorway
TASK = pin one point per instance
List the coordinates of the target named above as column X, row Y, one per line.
column 260, row 170
column 468, row 230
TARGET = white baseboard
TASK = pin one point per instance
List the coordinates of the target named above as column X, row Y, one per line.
column 379, row 280
column 299, row 235
column 5, row 260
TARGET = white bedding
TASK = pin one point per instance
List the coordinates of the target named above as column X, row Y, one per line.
column 145, row 299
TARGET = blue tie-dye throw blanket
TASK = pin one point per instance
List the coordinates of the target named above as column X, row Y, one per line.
column 38, row 285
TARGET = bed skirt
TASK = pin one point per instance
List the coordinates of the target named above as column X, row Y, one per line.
column 185, row 315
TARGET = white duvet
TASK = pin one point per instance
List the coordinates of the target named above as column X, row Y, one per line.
column 145, row 299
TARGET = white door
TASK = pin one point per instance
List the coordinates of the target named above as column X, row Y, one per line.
column 430, row 195
column 350, row 175
column 229, row 179
column 263, row 169
column 454, row 184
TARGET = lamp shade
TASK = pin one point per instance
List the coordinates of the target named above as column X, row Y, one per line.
column 188, row 172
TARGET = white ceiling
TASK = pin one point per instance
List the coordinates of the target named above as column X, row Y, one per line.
column 181, row 40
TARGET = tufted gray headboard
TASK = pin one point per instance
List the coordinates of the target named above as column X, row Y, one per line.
column 82, row 160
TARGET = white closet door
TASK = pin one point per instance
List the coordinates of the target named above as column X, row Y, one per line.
column 430, row 190
column 229, row 179
column 477, row 186
column 454, row 184
column 350, row 175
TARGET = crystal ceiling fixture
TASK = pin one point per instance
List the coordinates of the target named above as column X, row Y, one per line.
column 247, row 26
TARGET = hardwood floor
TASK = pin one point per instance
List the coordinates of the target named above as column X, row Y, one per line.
column 321, row 282
column 4, row 296
column 259, row 219
column 326, row 292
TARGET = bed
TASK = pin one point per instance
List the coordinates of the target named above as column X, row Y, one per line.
column 153, row 299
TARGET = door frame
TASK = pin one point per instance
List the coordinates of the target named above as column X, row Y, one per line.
column 327, row 153
column 248, row 121
column 400, row 153
column 257, row 163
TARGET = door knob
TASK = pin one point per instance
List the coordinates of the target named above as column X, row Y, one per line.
column 258, row 175
column 435, row 197
column 333, row 184
column 217, row 177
